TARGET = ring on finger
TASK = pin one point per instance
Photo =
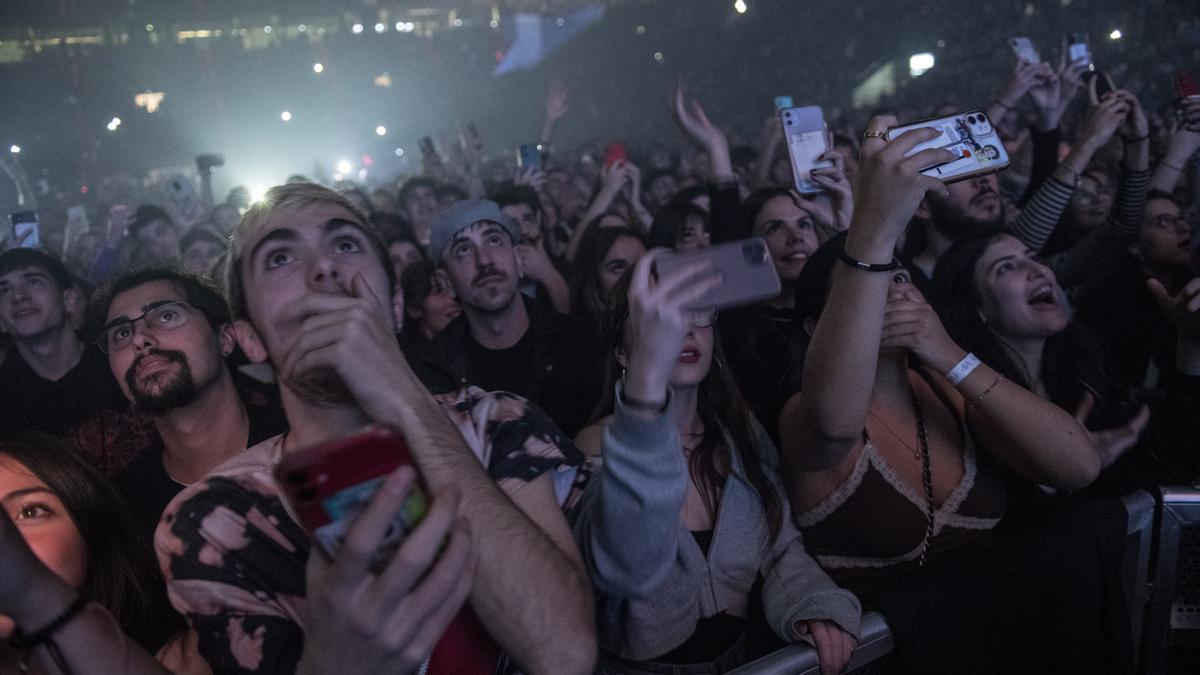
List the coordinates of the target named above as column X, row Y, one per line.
column 871, row 133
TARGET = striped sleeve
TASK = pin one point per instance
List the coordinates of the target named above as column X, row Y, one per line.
column 1100, row 249
column 1042, row 212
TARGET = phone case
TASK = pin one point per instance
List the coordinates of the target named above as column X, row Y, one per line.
column 614, row 153
column 782, row 102
column 1077, row 48
column 328, row 485
column 807, row 139
column 971, row 136
column 1024, row 49
column 746, row 265
column 528, row 156
column 1186, row 86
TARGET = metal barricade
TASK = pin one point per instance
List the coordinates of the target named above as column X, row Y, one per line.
column 876, row 642
column 1139, row 538
column 1173, row 614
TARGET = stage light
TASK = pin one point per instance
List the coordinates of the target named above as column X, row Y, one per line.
column 302, row 28
column 318, row 68
column 658, row 56
column 285, row 116
column 458, row 23
column 380, row 130
column 1115, row 35
column 257, row 192
column 379, row 27
column 918, row 64
column 15, row 149
column 356, row 28
column 399, row 152
column 740, row 6
column 267, row 30
column 149, row 27
column 116, row 121
column 344, row 166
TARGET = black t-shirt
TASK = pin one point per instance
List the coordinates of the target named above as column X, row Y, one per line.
column 29, row 401
column 148, row 488
column 501, row 369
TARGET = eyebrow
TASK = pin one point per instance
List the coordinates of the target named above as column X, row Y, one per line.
column 289, row 234
column 1001, row 259
column 17, row 494
column 145, row 308
column 484, row 230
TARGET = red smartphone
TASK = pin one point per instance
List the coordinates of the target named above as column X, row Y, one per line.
column 615, row 152
column 1187, row 87
column 328, row 485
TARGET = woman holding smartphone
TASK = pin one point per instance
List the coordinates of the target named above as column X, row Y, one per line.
column 687, row 509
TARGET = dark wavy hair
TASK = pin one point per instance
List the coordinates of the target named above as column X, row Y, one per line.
column 587, row 299
column 1072, row 360
column 721, row 407
column 122, row 572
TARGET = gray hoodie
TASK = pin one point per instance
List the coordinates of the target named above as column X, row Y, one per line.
column 653, row 582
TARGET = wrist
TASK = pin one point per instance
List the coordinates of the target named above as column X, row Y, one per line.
column 873, row 248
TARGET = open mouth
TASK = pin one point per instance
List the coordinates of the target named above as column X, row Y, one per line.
column 1043, row 296
column 799, row 256
column 689, row 356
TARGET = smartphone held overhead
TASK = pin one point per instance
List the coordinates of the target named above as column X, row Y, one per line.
column 25, row 233
column 747, row 272
column 970, row 136
column 807, row 140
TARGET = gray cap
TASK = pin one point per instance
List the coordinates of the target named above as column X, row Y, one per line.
column 460, row 216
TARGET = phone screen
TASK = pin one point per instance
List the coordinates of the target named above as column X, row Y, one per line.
column 528, row 156
column 25, row 229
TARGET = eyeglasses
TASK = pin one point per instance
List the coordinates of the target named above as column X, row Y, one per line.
column 164, row 318
column 702, row 318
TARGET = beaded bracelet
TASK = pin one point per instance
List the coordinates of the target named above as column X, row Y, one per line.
column 975, row 401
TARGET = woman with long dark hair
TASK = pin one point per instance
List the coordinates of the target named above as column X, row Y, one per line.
column 605, row 253
column 687, row 510
column 79, row 587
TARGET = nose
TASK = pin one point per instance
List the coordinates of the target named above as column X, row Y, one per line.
column 143, row 338
column 324, row 275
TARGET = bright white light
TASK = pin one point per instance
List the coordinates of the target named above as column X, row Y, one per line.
column 494, row 23
column 406, row 26
column 640, row 30
column 16, row 149
column 285, row 116
column 302, row 28
column 1115, row 35
column 380, row 130
column 658, row 56
column 344, row 166
column 112, row 127
column 338, row 176
column 399, row 25
column 267, row 29
column 379, row 27
column 257, row 192
column 116, row 121
column 356, row 28
column 318, row 68
column 919, row 63
column 740, row 6
column 149, row 27
column 458, row 23
column 399, row 152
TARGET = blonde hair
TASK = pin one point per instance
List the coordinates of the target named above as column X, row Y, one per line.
column 277, row 200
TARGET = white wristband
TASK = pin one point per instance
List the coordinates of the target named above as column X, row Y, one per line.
column 964, row 368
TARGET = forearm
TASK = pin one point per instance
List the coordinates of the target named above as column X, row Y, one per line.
column 558, row 291
column 839, row 369
column 1170, row 168
column 597, row 208
column 1103, row 245
column 629, row 522
column 92, row 642
column 1036, row 223
column 1045, row 159
column 1028, row 433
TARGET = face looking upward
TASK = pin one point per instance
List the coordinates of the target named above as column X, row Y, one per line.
column 169, row 366
column 1020, row 298
column 790, row 234
column 972, row 206
column 43, row 521
column 31, row 303
column 527, row 219
column 1165, row 238
column 482, row 266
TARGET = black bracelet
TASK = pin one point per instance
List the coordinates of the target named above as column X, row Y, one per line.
column 22, row 640
column 866, row 267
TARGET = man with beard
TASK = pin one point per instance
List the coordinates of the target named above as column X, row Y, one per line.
column 504, row 340
column 167, row 335
column 311, row 291
column 969, row 207
column 50, row 381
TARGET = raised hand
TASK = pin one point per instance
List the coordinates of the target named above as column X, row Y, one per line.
column 691, row 118
column 833, row 180
column 658, row 322
column 557, row 102
column 1103, row 119
column 1025, row 75
column 1112, row 443
column 389, row 622
column 1135, row 125
column 891, row 185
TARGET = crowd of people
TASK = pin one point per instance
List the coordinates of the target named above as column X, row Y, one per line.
column 933, row 419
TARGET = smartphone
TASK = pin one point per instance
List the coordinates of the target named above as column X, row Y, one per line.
column 1187, row 87
column 971, row 136
column 615, row 152
column 807, row 139
column 1103, row 83
column 326, row 486
column 25, row 229
column 1024, row 49
column 746, row 266
column 782, row 102
column 1078, row 50
column 528, row 156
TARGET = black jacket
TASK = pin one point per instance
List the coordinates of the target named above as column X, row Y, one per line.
column 564, row 378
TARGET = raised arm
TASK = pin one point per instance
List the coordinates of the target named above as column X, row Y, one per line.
column 839, row 369
column 612, row 181
column 1184, row 143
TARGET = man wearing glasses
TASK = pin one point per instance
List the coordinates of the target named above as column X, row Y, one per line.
column 167, row 336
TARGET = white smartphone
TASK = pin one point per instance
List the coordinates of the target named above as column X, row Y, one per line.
column 25, row 230
column 1078, row 50
column 1024, row 49
column 807, row 139
column 970, row 135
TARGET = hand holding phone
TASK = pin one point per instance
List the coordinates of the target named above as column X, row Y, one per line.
column 745, row 267
column 807, row 140
column 614, row 154
column 1078, row 50
column 1024, row 50
column 970, row 136
column 25, row 232
column 529, row 156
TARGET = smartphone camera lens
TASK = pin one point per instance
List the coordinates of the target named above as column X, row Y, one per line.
column 972, row 119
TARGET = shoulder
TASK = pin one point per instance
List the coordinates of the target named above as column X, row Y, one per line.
column 589, row 440
column 512, row 437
